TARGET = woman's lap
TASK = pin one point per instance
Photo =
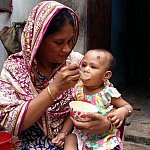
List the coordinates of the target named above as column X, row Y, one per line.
column 34, row 139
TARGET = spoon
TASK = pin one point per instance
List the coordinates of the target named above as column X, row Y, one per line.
column 83, row 76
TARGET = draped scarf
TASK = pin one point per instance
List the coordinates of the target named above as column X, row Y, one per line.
column 17, row 78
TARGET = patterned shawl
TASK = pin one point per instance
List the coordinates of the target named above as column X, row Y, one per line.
column 17, row 77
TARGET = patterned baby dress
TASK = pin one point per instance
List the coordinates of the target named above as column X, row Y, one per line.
column 107, row 140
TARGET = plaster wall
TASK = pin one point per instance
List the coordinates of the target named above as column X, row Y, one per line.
column 80, row 7
column 21, row 10
column 4, row 21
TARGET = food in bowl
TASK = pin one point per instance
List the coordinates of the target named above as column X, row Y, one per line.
column 78, row 110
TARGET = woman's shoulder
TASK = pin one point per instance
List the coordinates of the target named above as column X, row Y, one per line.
column 14, row 64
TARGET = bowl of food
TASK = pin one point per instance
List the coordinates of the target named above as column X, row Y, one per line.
column 79, row 110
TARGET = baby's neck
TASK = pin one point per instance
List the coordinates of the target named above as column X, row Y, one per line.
column 92, row 90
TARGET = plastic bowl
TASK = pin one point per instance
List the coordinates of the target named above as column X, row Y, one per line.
column 79, row 109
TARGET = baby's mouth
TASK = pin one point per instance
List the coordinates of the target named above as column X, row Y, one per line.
column 83, row 76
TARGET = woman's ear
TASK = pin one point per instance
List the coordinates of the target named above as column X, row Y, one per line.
column 107, row 75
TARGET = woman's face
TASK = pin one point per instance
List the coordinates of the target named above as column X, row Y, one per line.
column 56, row 47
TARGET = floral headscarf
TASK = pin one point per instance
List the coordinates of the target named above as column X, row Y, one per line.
column 16, row 86
column 36, row 26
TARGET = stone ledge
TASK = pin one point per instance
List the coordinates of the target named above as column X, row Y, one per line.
column 137, row 132
column 135, row 146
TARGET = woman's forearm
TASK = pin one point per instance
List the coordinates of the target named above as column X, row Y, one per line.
column 36, row 108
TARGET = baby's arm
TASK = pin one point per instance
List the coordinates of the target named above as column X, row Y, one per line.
column 60, row 138
column 124, row 109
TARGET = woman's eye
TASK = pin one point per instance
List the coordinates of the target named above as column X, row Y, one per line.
column 70, row 43
column 59, row 42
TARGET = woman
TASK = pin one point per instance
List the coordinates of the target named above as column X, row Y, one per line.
column 35, row 83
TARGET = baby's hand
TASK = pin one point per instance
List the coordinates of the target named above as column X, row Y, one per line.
column 59, row 140
column 117, row 117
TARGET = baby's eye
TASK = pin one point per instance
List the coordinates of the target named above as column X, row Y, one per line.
column 93, row 67
column 83, row 65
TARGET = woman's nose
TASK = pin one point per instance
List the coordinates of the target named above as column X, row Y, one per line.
column 66, row 48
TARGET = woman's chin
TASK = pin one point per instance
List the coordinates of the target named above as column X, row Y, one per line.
column 59, row 61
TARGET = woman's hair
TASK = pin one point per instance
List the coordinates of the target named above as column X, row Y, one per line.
column 63, row 16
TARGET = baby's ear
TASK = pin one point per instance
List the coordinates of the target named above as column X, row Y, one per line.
column 107, row 75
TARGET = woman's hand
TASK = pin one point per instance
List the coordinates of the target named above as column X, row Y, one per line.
column 66, row 78
column 97, row 124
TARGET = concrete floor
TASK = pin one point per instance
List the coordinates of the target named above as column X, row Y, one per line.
column 137, row 129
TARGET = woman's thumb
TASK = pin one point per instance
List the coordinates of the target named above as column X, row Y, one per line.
column 94, row 116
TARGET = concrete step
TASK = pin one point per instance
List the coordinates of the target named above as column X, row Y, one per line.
column 138, row 132
column 135, row 146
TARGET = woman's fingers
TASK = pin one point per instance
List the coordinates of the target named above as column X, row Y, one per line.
column 95, row 116
column 80, row 125
column 68, row 73
column 70, row 70
column 66, row 78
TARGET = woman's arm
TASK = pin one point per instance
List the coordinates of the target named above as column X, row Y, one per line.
column 37, row 108
column 65, row 79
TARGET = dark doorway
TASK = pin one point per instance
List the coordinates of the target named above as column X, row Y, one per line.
column 136, row 54
column 98, row 24
column 132, row 41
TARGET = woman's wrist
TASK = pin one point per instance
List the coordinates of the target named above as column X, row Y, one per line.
column 53, row 91
column 110, row 125
column 50, row 93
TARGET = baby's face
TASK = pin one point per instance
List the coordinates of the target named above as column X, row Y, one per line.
column 94, row 64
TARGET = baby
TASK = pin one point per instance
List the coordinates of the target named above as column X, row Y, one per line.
column 94, row 87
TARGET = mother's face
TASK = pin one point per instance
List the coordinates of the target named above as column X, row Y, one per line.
column 56, row 47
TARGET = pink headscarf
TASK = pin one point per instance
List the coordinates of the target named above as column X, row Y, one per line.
column 16, row 85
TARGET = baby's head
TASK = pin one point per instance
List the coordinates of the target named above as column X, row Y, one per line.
column 98, row 63
column 104, row 57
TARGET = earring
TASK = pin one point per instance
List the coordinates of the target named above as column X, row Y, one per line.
column 106, row 82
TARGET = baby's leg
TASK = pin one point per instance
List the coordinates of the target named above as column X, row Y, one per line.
column 70, row 142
